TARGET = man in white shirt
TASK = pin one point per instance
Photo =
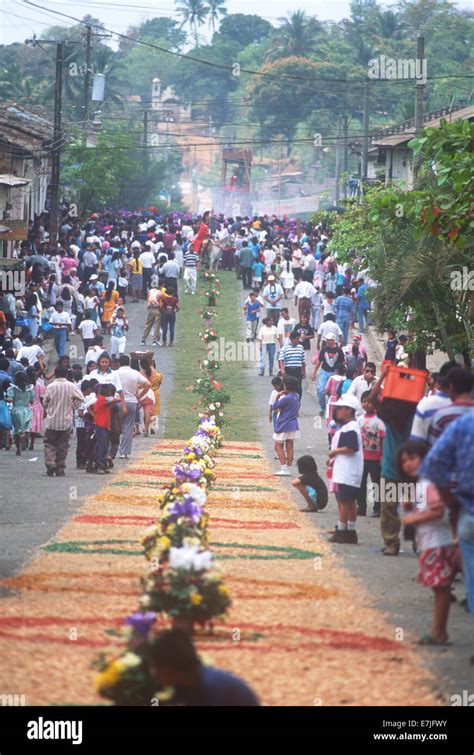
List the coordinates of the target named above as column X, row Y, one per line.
column 171, row 272
column 135, row 385
column 90, row 262
column 31, row 351
column 363, row 383
column 309, row 262
column 304, row 292
column 88, row 330
column 61, row 322
column 329, row 326
column 269, row 256
column 147, row 258
column 94, row 351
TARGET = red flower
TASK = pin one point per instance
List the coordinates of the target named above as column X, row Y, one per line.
column 453, row 233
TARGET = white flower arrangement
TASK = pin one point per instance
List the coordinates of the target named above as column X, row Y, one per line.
column 130, row 660
column 189, row 558
column 196, row 492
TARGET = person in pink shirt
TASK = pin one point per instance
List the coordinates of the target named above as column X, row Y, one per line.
column 66, row 263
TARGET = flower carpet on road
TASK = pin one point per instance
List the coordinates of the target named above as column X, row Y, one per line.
column 300, row 629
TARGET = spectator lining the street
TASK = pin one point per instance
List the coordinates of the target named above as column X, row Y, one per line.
column 286, row 426
column 434, row 538
column 311, row 486
column 347, row 461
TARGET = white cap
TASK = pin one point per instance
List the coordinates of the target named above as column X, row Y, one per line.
column 331, row 336
column 135, row 245
column 348, row 400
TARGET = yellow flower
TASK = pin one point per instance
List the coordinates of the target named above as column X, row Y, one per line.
column 223, row 590
column 109, row 677
column 190, row 457
column 175, row 491
column 196, row 599
column 164, row 543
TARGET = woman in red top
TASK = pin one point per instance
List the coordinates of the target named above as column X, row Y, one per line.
column 202, row 233
column 169, row 306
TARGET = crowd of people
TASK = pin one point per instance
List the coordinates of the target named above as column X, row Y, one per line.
column 308, row 315
column 416, row 454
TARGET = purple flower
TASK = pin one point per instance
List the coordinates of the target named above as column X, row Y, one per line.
column 141, row 622
column 182, row 474
column 187, row 508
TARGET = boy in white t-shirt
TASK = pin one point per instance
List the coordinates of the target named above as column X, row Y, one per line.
column 267, row 342
column 88, row 329
column 347, row 460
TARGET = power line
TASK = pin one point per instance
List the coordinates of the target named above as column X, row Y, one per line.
column 223, row 66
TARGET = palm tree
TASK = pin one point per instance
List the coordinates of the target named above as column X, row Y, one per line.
column 24, row 88
column 215, row 10
column 296, row 36
column 194, row 13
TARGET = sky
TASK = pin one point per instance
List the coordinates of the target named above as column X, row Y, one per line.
column 19, row 21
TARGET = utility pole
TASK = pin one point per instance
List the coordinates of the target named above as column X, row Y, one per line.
column 56, row 150
column 365, row 133
column 145, row 139
column 338, row 162
column 419, row 92
column 87, row 73
column 345, row 134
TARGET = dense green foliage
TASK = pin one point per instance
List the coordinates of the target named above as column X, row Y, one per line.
column 419, row 245
column 299, row 45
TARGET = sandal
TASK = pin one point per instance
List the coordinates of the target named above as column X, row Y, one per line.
column 428, row 639
column 309, row 510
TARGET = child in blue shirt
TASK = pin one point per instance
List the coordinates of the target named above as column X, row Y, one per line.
column 252, row 309
column 286, row 425
column 257, row 274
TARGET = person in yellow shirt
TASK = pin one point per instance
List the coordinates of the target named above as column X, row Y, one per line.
column 135, row 266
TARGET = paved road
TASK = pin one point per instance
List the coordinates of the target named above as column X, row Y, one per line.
column 33, row 507
column 391, row 581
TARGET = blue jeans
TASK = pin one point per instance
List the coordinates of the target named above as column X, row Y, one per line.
column 267, row 349
column 33, row 326
column 101, row 446
column 344, row 324
column 60, row 336
column 167, row 318
column 363, row 319
column 322, row 382
column 466, row 542
column 315, row 317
